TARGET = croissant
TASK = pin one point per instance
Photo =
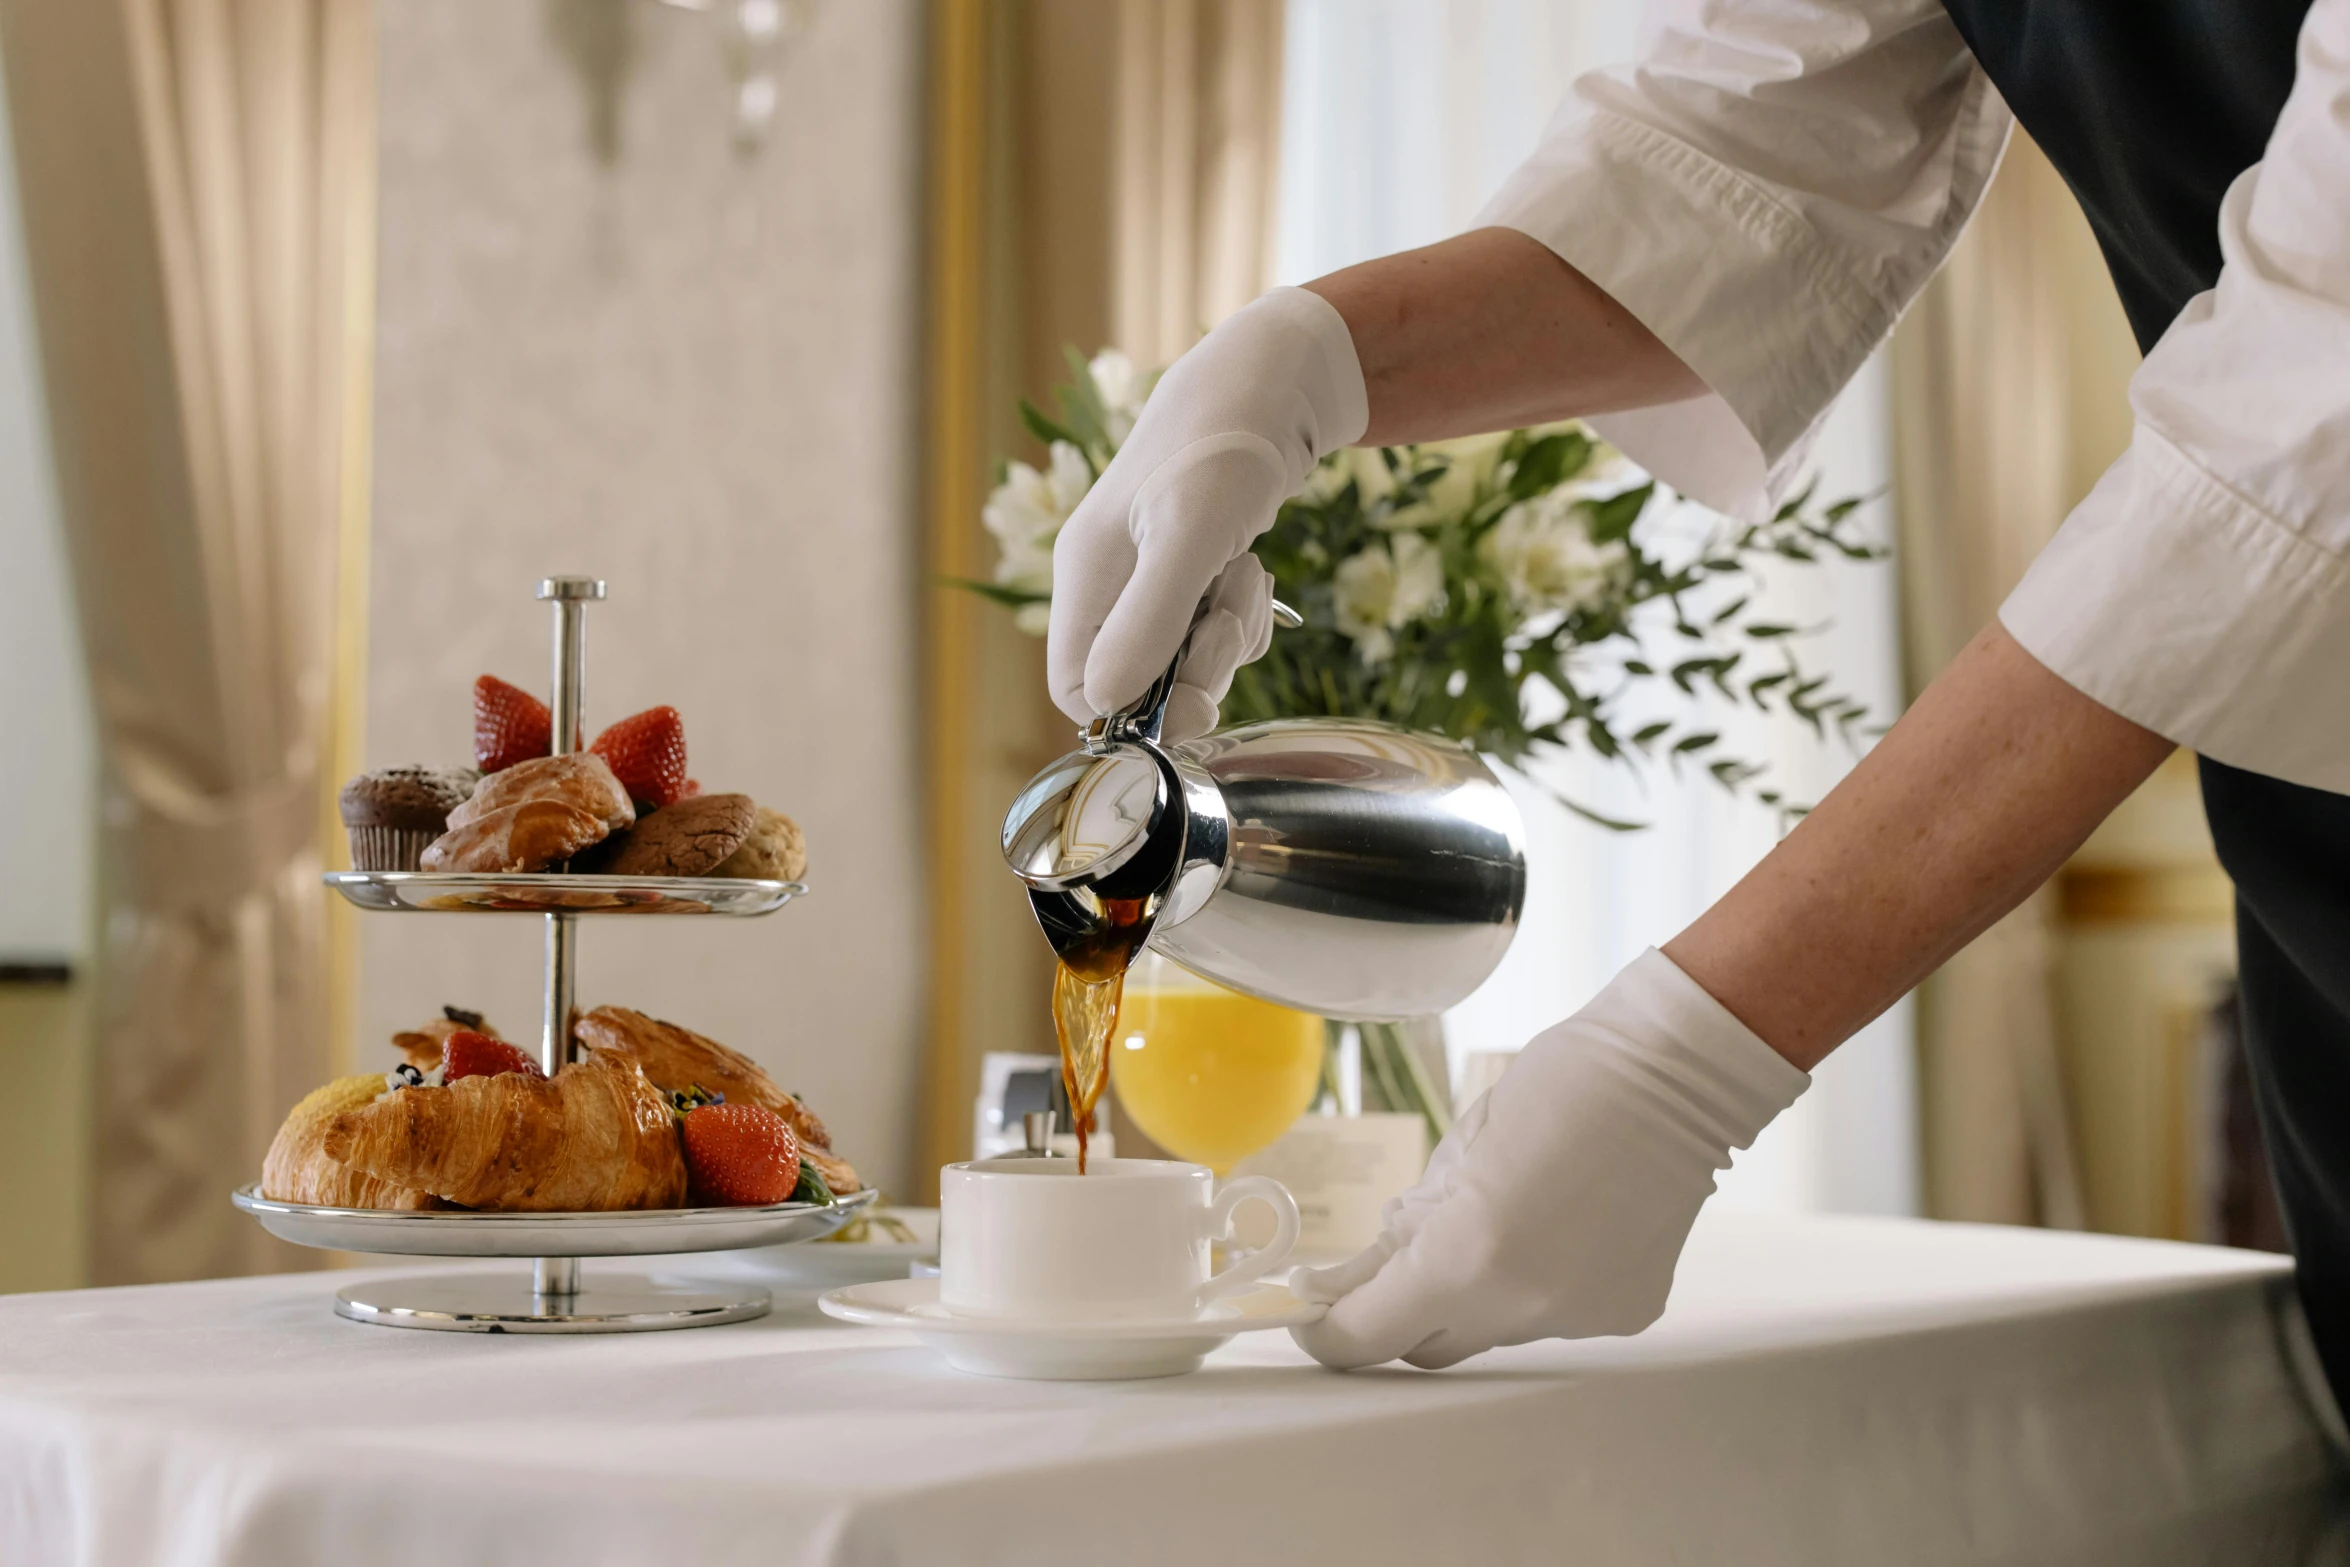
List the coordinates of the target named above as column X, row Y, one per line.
column 582, row 780
column 678, row 1058
column 596, row 1138
column 515, row 838
column 299, row 1169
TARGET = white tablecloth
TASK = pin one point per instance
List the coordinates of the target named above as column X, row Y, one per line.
column 1821, row 1391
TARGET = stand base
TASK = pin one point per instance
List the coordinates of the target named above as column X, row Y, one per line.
column 478, row 1303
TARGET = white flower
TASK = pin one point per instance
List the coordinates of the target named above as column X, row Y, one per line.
column 1025, row 514
column 1385, row 587
column 1122, row 389
column 1543, row 552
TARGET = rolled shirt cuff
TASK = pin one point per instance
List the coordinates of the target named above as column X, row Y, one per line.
column 1727, row 277
column 2173, row 601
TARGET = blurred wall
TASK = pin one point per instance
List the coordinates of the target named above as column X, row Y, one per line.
column 609, row 342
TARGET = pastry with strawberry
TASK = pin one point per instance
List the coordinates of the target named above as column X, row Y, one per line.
column 647, row 754
column 421, row 1047
column 468, row 1054
column 651, row 1115
column 509, row 725
column 622, row 806
column 739, row 1156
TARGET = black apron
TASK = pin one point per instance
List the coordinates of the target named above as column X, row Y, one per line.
column 2149, row 109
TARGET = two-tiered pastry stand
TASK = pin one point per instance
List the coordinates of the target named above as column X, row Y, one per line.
column 554, row 1299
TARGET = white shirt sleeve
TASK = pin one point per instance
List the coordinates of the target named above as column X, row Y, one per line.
column 1766, row 187
column 2202, row 589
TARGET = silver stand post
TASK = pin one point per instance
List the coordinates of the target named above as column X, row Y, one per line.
column 555, row 1280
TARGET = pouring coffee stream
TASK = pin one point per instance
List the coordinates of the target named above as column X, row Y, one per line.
column 1112, row 889
column 1335, row 866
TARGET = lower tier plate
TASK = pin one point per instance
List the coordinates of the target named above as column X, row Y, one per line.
column 653, row 1233
column 486, row 1303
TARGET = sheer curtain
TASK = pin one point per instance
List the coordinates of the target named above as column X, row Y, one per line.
column 1399, row 117
column 197, row 183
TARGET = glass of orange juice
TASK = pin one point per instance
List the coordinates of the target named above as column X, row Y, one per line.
column 1207, row 1073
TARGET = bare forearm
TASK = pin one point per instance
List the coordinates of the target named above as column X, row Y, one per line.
column 1489, row 331
column 1971, row 801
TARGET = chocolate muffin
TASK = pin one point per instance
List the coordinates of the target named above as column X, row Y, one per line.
column 394, row 812
column 691, row 838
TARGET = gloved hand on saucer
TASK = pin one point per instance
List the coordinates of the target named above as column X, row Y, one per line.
column 1231, row 431
column 1557, row 1206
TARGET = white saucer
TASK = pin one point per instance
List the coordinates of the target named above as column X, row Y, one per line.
column 1065, row 1351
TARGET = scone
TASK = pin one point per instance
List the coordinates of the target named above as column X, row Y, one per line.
column 517, row 838
column 676, row 1059
column 394, row 812
column 691, row 838
column 582, row 780
column 774, row 851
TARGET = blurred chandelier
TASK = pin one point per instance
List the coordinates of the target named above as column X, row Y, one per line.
column 753, row 35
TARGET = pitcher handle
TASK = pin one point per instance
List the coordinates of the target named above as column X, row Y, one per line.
column 1264, row 1259
column 1141, row 718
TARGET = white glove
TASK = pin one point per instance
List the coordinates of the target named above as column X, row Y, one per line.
column 1558, row 1205
column 1231, row 431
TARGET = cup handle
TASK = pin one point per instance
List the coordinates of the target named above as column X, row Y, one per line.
column 1265, row 1259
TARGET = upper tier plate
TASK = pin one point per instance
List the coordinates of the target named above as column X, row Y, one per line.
column 429, row 892
column 460, row 1234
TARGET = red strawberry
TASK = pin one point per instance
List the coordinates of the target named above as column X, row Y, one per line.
column 468, row 1054
column 509, row 725
column 740, row 1156
column 693, row 787
column 647, row 753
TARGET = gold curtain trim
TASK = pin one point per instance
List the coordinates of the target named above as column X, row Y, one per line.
column 2197, row 895
column 961, row 34
column 352, row 30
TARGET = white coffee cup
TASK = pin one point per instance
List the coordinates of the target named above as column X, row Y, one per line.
column 1126, row 1241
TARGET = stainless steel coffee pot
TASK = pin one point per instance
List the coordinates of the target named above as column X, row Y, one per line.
column 1341, row 867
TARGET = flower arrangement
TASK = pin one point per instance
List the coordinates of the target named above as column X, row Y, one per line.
column 1505, row 591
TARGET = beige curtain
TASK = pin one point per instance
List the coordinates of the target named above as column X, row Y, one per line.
column 1197, row 150
column 2007, row 402
column 197, row 179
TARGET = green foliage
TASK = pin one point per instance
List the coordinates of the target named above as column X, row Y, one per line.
column 1084, row 420
column 1470, row 668
column 997, row 592
column 812, row 1187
